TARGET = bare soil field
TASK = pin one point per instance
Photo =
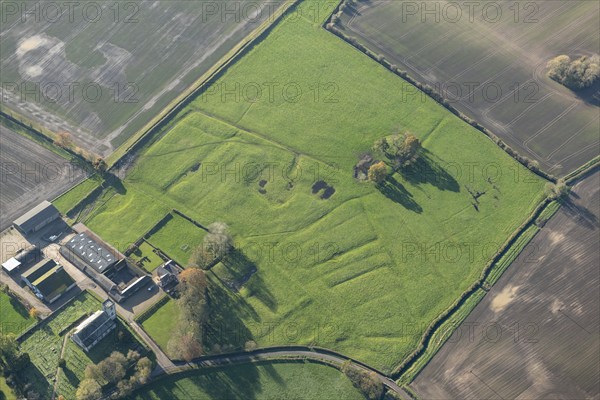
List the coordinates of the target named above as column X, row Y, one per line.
column 101, row 70
column 489, row 60
column 536, row 333
column 29, row 174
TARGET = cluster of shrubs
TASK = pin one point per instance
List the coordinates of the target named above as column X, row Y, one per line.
column 575, row 74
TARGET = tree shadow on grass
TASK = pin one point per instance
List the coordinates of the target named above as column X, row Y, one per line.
column 243, row 272
column 427, row 170
column 395, row 191
column 234, row 382
column 18, row 307
column 224, row 324
column 71, row 377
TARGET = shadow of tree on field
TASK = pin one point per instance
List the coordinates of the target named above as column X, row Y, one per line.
column 427, row 170
column 224, row 326
column 581, row 214
column 395, row 191
column 232, row 382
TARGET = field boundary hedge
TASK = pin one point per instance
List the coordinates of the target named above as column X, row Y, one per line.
column 182, row 215
column 330, row 25
column 583, row 172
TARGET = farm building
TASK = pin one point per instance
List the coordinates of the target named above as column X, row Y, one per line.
column 48, row 280
column 85, row 252
column 36, row 218
column 96, row 327
column 166, row 275
column 11, row 265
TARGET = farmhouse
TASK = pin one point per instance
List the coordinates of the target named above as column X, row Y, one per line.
column 166, row 275
column 36, row 218
column 48, row 280
column 85, row 252
column 96, row 327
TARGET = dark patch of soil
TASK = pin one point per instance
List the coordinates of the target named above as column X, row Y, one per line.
column 329, row 191
column 262, row 191
column 195, row 167
column 262, row 183
column 319, row 185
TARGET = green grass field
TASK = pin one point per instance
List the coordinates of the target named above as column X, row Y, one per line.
column 161, row 323
column 178, row 238
column 265, row 381
column 147, row 257
column 14, row 317
column 363, row 272
column 71, row 198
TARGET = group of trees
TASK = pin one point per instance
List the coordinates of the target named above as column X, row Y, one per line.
column 65, row 140
column 576, row 74
column 366, row 382
column 113, row 370
column 186, row 340
column 401, row 151
column 216, row 244
column 12, row 361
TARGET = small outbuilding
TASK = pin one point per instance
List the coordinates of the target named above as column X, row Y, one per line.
column 36, row 218
column 11, row 265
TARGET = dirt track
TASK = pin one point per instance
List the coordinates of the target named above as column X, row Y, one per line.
column 536, row 334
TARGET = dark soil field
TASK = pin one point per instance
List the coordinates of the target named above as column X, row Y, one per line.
column 489, row 61
column 102, row 70
column 536, row 333
column 29, row 174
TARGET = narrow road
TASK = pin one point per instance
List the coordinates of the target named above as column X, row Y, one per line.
column 278, row 353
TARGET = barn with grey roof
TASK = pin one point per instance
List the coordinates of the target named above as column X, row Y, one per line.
column 36, row 218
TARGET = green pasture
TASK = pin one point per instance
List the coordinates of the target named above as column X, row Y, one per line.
column 161, row 323
column 178, row 238
column 265, row 381
column 14, row 317
column 363, row 271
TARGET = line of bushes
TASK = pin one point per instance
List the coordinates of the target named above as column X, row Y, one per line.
column 331, row 26
column 182, row 215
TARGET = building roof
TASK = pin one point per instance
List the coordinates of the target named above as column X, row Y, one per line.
column 54, row 282
column 92, row 327
column 11, row 264
column 36, row 215
column 94, row 254
column 39, row 269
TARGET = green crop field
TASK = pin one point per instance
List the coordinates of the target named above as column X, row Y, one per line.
column 492, row 66
column 363, row 270
column 14, row 317
column 178, row 238
column 161, row 323
column 274, row 381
